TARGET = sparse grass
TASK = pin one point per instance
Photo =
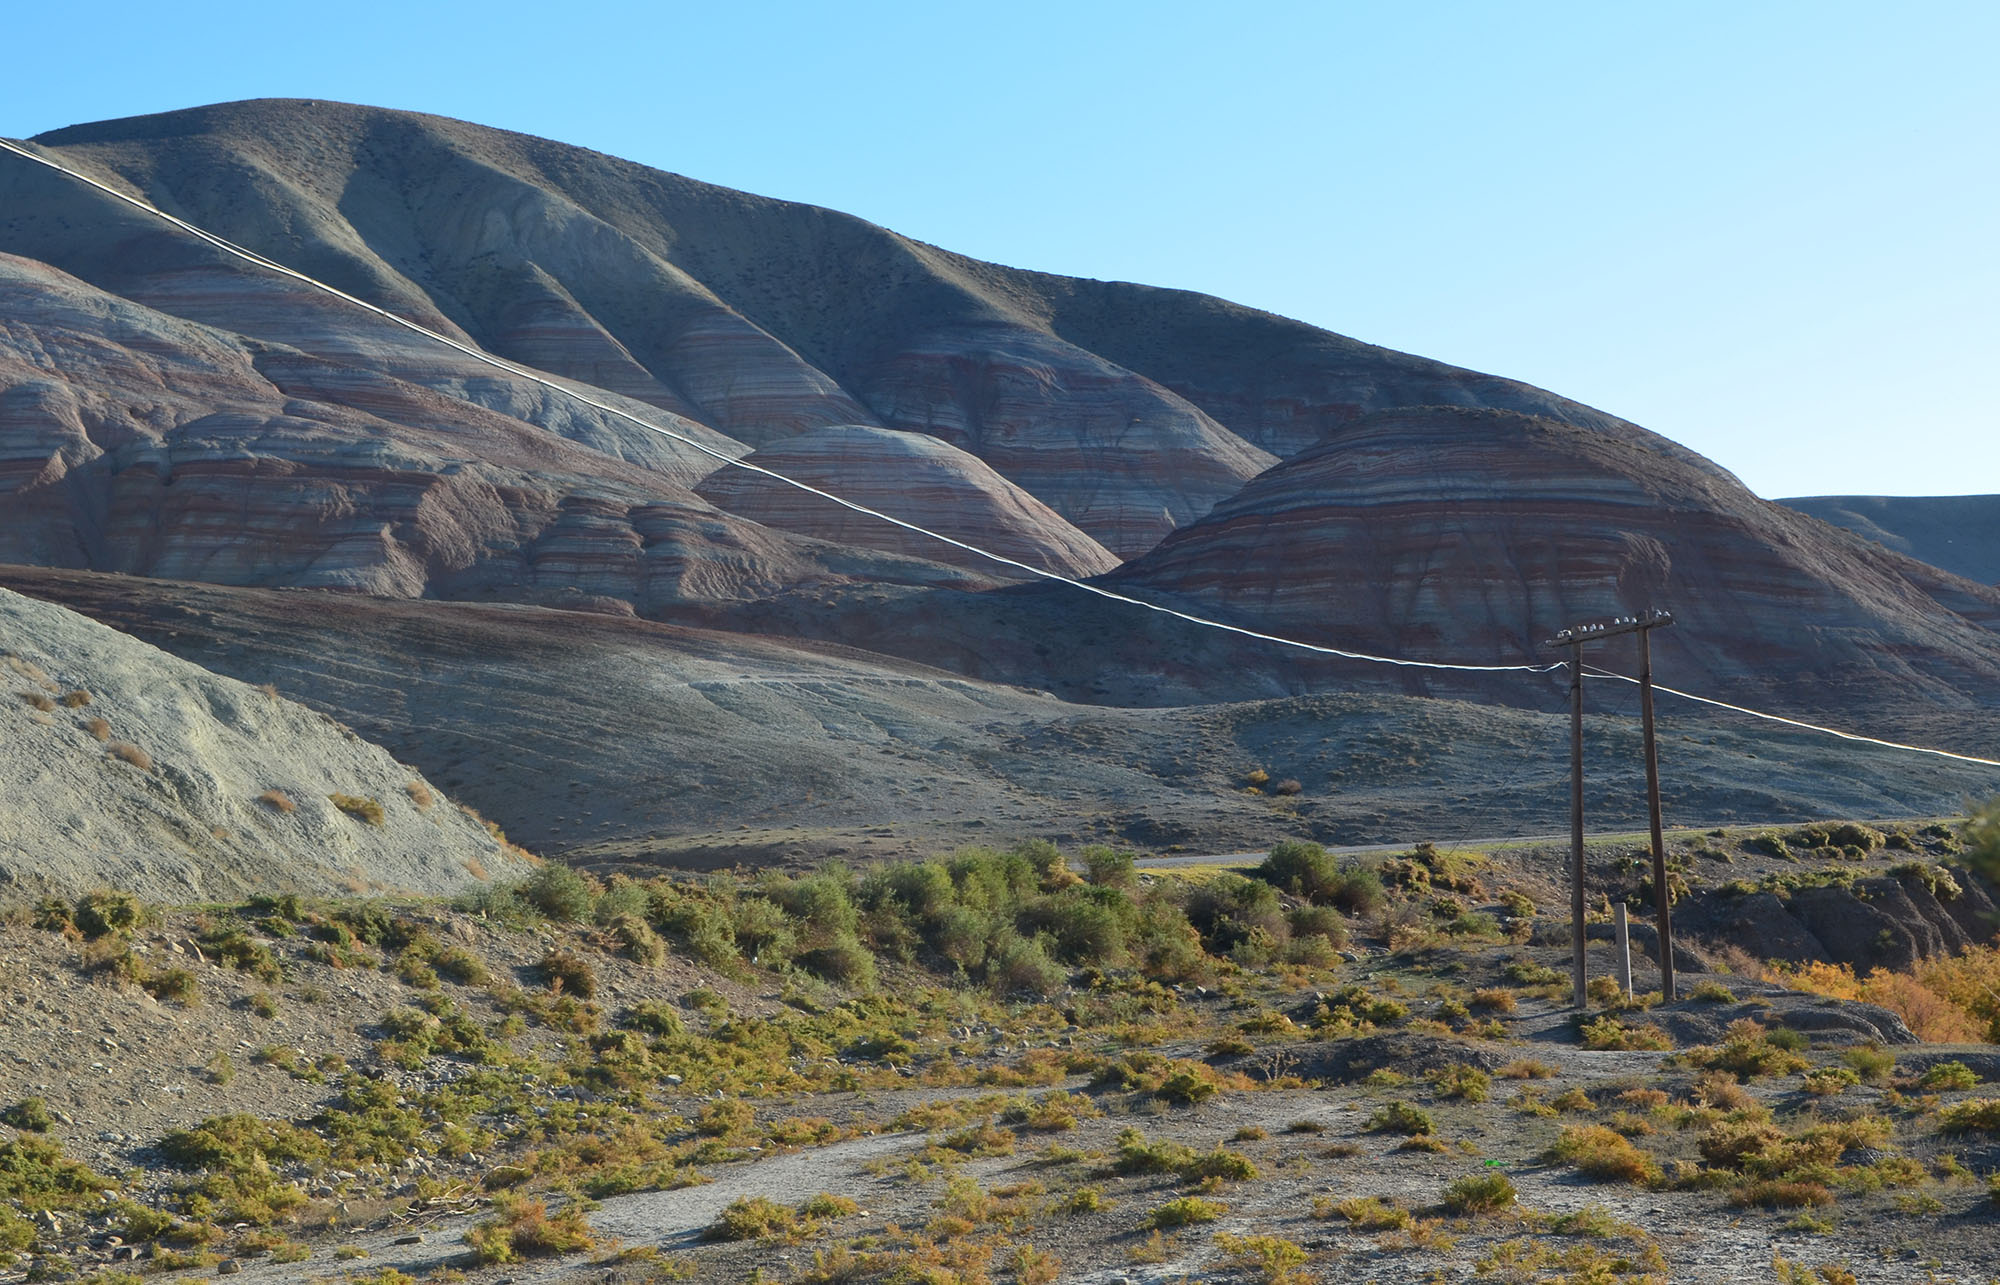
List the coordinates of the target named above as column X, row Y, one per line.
column 421, row 795
column 277, row 800
column 1402, row 1118
column 1526, row 1069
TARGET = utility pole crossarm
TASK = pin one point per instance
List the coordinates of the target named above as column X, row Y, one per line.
column 1612, row 628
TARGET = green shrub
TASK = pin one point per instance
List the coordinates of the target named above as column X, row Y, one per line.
column 30, row 1115
column 1981, row 837
column 457, row 964
column 360, row 807
column 570, row 973
column 637, row 940
column 1021, row 965
column 1600, row 1153
column 1871, row 1062
column 1480, row 1194
column 826, row 1206
column 1462, row 1081
column 654, row 1017
column 1403, row 1118
column 1607, row 1032
column 524, row 1228
column 1946, row 1076
column 1107, row 867
column 562, row 894
column 1748, row 1052
column 1712, row 992
column 1184, row 1211
column 105, row 912
column 1976, row 1115
column 751, row 1218
column 1319, row 921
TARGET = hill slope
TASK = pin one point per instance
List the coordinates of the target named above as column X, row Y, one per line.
column 126, row 767
column 167, row 411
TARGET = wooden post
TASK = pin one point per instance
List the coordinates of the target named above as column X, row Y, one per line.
column 1624, row 957
column 1662, row 898
column 1576, row 822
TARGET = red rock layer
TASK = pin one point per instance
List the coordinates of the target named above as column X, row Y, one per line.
column 1448, row 534
column 910, row 476
column 134, row 442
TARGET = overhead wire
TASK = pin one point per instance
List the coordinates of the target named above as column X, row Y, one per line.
column 1592, row 671
column 562, row 389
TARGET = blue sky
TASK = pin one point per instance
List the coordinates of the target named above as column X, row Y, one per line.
column 1764, row 229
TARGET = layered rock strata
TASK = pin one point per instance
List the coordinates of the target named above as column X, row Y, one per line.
column 910, row 476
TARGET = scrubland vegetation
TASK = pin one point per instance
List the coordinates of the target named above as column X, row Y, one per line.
column 1101, row 1065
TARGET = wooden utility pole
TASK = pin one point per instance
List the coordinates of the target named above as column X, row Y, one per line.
column 1662, row 899
column 1574, row 638
column 1576, row 963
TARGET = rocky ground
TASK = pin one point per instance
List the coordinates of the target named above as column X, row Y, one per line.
column 349, row 1090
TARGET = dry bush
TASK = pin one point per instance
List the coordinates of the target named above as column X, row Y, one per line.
column 39, row 701
column 131, row 754
column 27, row 669
column 99, row 728
column 76, row 697
column 420, row 794
column 1735, row 960
column 1287, row 787
column 278, row 799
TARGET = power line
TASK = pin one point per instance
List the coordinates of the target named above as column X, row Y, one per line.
column 1592, row 671
column 523, row 372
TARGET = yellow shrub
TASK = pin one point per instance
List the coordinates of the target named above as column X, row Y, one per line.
column 1948, row 1000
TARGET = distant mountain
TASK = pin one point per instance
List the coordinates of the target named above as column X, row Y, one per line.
column 168, row 411
column 1960, row 533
